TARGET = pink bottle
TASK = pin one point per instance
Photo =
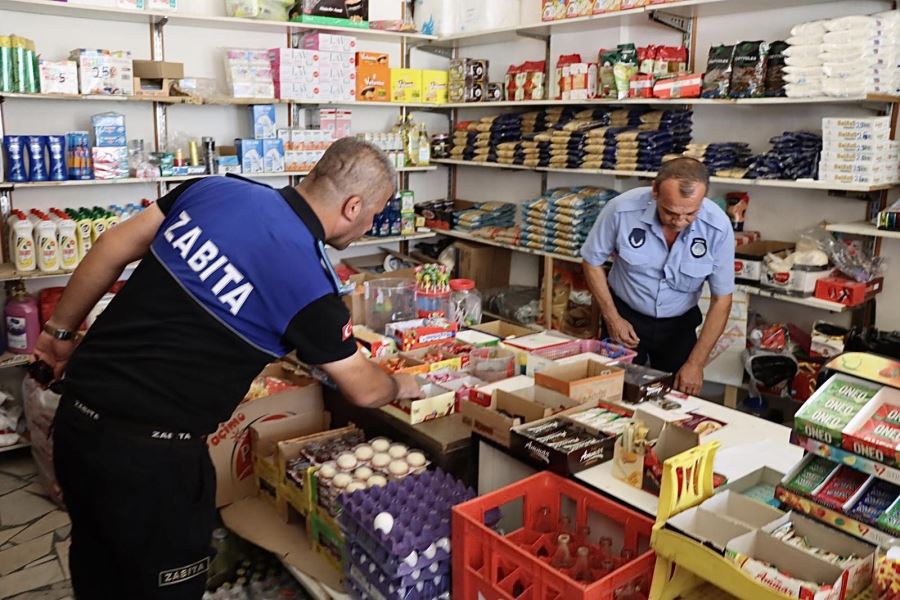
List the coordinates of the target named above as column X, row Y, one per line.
column 22, row 323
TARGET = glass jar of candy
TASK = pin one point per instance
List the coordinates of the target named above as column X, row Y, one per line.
column 465, row 302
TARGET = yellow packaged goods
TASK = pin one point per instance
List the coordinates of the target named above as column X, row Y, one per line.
column 406, row 85
column 434, row 87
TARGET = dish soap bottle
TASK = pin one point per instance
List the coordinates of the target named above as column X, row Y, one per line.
column 22, row 322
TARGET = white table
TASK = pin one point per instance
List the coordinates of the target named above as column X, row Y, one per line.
column 747, row 443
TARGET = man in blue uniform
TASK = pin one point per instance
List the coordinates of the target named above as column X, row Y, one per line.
column 666, row 241
column 233, row 274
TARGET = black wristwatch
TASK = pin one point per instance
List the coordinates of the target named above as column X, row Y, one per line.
column 63, row 335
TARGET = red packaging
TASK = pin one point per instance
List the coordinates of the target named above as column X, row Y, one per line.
column 804, row 384
column 563, row 81
column 682, row 86
column 511, row 86
column 646, row 58
column 534, row 87
column 841, row 487
column 847, row 291
column 671, row 60
column 641, row 86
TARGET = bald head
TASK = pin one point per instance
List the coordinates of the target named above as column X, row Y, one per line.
column 346, row 189
column 352, row 167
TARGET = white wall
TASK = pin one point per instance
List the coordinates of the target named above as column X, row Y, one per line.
column 777, row 213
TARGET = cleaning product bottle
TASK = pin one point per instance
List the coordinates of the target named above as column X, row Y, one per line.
column 424, row 147
column 85, row 232
column 67, row 239
column 98, row 223
column 47, row 244
column 21, row 241
column 22, row 322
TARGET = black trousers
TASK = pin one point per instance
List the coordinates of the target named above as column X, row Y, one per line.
column 142, row 508
column 666, row 343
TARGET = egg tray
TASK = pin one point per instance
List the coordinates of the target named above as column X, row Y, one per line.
column 403, row 565
column 361, row 586
column 425, row 500
column 384, row 574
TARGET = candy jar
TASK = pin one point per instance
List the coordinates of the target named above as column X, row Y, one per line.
column 562, row 559
column 465, row 302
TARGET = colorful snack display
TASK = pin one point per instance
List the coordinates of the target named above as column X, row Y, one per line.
column 824, row 416
column 718, row 72
column 890, row 519
column 787, row 534
column 842, row 486
column 812, row 475
column 875, row 501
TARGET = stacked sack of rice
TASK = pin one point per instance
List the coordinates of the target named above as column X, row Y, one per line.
column 803, row 72
column 794, row 155
column 860, row 55
column 560, row 220
column 726, row 159
column 485, row 214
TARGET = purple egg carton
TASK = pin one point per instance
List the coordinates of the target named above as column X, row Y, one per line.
column 385, row 576
column 406, row 565
column 362, row 587
column 420, row 503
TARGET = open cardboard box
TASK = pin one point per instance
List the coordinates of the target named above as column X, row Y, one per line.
column 437, row 402
column 741, row 510
column 565, row 462
column 502, row 329
column 708, row 527
column 477, row 339
column 230, row 446
column 530, row 404
column 264, row 438
column 758, row 485
column 484, row 395
column 791, row 570
column 585, row 380
column 670, row 440
column 882, row 443
column 378, row 345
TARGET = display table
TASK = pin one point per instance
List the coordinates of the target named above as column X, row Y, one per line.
column 747, row 443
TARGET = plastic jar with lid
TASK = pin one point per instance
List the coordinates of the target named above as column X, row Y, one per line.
column 465, row 302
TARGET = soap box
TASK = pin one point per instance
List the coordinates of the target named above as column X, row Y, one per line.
column 263, row 117
column 250, row 155
column 273, row 156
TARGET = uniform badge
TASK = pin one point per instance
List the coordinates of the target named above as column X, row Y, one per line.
column 347, row 330
column 637, row 237
column 698, row 248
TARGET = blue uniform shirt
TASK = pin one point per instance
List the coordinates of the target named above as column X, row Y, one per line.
column 647, row 275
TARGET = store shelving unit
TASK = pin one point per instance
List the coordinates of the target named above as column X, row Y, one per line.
column 461, row 235
column 9, row 273
column 863, row 228
column 851, row 459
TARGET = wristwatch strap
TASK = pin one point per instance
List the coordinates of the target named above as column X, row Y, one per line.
column 63, row 335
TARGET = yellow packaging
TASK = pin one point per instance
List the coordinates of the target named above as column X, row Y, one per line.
column 406, row 85
column 434, row 87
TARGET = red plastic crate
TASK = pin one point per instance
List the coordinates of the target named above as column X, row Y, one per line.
column 490, row 566
column 602, row 347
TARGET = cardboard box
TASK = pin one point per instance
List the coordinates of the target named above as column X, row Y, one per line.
column 328, row 541
column 800, row 281
column 670, row 439
column 434, row 87
column 406, row 85
column 528, row 405
column 487, row 266
column 229, row 446
column 758, row 485
column 643, row 383
column 828, row 340
column 273, row 155
column 585, row 381
column 264, row 438
column 477, row 339
column 418, row 333
column 742, row 510
column 250, row 155
column 373, row 77
column 828, row 412
column 502, row 329
column 262, row 119
column 156, row 88
column 748, row 259
column 437, row 402
column 708, row 527
column 880, row 441
column 847, row 291
column 484, row 395
column 380, row 346
column 158, row 69
column 790, row 570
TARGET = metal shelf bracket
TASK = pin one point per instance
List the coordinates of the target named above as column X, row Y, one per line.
column 676, row 22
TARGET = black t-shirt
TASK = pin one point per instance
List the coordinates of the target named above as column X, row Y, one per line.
column 157, row 356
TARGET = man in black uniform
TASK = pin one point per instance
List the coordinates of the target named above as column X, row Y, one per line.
column 233, row 274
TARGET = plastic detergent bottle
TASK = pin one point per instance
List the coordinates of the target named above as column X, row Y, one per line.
column 112, row 219
column 84, row 231
column 98, row 223
column 67, row 239
column 21, row 318
column 46, row 242
column 21, row 241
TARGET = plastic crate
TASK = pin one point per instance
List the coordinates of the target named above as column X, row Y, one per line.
column 491, row 566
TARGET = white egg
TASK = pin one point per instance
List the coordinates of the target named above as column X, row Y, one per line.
column 398, row 468
column 398, row 451
column 327, row 471
column 341, row 480
column 415, row 459
column 380, row 444
column 384, row 522
column 362, row 473
column 412, row 559
column 420, row 586
column 355, row 487
column 347, row 461
column 376, row 481
column 381, row 460
column 444, row 544
column 416, row 574
column 430, row 551
column 434, row 567
column 364, row 452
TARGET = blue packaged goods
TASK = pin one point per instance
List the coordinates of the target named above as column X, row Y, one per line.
column 56, row 152
column 15, row 158
column 37, row 162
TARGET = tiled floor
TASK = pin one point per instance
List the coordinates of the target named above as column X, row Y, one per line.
column 34, row 535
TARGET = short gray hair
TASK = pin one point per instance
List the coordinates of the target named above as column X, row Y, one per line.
column 353, row 167
column 687, row 171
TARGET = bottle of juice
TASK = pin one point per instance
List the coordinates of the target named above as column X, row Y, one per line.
column 22, row 323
